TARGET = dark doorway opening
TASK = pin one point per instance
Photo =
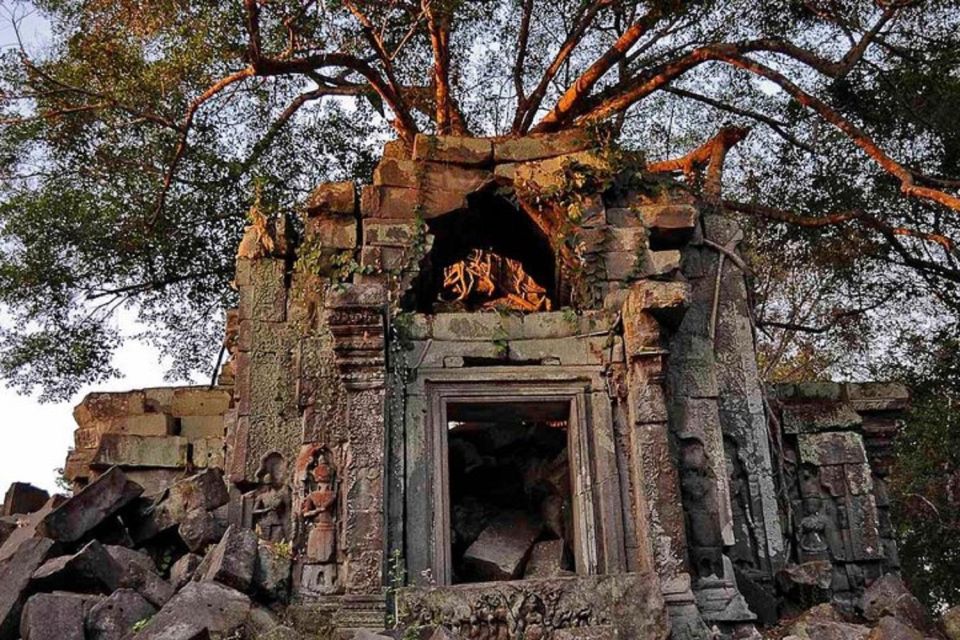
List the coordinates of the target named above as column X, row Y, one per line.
column 510, row 498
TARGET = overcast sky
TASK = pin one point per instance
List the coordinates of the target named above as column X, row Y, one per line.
column 34, row 437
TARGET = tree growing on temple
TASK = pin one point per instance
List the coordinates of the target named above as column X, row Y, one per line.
column 133, row 139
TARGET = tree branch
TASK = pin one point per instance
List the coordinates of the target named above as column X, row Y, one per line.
column 448, row 117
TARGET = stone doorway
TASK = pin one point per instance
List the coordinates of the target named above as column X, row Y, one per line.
column 510, row 493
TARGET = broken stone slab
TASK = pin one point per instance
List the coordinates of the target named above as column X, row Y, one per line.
column 889, row 596
column 97, row 501
column 544, row 145
column 199, row 608
column 23, row 498
column 7, row 526
column 126, row 556
column 90, row 570
column 233, row 561
column 502, row 548
column 55, row 616
column 454, row 149
column 808, row 582
column 15, row 576
column 112, row 618
column 183, row 569
column 271, row 574
column 546, row 560
column 141, row 451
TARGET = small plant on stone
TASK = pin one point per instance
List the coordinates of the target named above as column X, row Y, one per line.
column 140, row 625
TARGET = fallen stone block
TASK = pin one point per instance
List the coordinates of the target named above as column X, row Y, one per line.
column 55, row 616
column 890, row 628
column 90, row 570
column 15, row 576
column 26, row 527
column 546, row 560
column 200, row 529
column 204, row 491
column 24, row 498
column 233, row 560
column 140, row 574
column 502, row 548
column 7, row 526
column 950, row 622
column 199, row 608
column 823, row 622
column 112, row 618
column 183, row 569
column 271, row 575
column 364, row 634
column 889, row 596
column 141, row 451
column 95, row 503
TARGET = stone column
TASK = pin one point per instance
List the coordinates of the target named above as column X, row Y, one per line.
column 697, row 433
column 355, row 315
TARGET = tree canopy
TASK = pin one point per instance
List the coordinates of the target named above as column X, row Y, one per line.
column 132, row 143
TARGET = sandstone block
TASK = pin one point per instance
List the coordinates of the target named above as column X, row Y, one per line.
column 454, row 149
column 197, row 427
column 271, row 575
column 90, row 570
column 233, row 560
column 199, row 529
column 147, row 424
column 108, row 405
column 951, row 623
column 670, row 225
column 7, row 526
column 503, row 547
column 430, row 176
column 183, row 569
column 332, row 198
column 622, row 265
column 890, row 628
column 397, row 149
column 194, row 401
column 546, row 560
column 659, row 263
column 889, row 596
column 112, row 618
column 568, row 351
column 878, row 396
column 141, row 451
column 540, row 146
column 95, row 503
column 208, row 453
column 23, row 498
column 631, row 240
column 832, row 448
column 810, row 417
column 554, row 173
column 204, row 491
column 54, row 616
column 388, row 233
column 15, row 576
column 408, row 204
column 199, row 607
column 333, row 233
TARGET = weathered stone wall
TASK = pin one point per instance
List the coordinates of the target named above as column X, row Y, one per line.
column 837, row 444
column 153, row 434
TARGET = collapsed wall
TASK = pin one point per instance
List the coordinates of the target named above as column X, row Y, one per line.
column 510, row 389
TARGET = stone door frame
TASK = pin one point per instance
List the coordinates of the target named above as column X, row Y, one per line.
column 598, row 541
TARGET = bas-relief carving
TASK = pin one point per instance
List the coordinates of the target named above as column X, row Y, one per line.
column 316, row 477
column 270, row 503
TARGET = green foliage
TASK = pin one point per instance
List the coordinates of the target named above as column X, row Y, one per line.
column 925, row 482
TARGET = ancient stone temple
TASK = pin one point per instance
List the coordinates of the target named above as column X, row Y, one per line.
column 510, row 389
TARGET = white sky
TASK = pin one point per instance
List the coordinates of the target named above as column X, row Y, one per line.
column 34, row 437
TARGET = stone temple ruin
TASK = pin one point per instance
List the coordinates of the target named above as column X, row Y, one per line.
column 507, row 391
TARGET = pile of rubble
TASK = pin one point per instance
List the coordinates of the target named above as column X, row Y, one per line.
column 108, row 564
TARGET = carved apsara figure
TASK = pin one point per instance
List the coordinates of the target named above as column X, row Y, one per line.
column 319, row 509
column 270, row 503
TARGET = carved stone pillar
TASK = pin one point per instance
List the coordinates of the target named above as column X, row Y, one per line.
column 355, row 316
